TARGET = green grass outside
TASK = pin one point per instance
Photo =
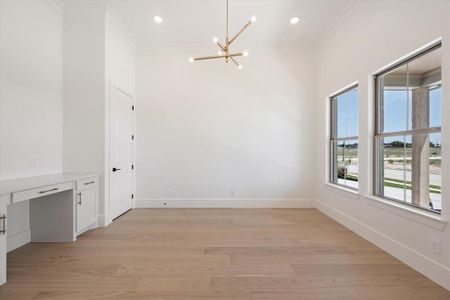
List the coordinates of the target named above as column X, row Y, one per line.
column 409, row 182
column 397, row 183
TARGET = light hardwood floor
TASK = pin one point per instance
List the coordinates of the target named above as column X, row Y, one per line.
column 215, row 254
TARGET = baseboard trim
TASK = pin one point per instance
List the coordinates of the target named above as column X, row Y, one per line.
column 18, row 240
column 428, row 267
column 225, row 203
column 103, row 220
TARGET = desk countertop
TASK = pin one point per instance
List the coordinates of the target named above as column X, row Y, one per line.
column 27, row 183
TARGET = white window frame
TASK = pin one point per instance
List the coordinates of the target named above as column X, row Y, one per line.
column 331, row 164
column 377, row 135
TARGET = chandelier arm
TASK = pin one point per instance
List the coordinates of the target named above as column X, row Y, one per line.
column 208, row 57
column 219, row 56
column 235, row 61
column 235, row 54
column 240, row 32
column 220, row 46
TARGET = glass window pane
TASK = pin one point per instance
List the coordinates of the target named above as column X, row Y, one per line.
column 412, row 170
column 395, row 98
column 341, row 118
column 397, row 168
column 435, row 107
column 347, row 171
column 435, row 160
column 424, row 72
column 346, row 105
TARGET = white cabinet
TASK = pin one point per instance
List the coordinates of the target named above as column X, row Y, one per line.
column 87, row 198
column 3, row 203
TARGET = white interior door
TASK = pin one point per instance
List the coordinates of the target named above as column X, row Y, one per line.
column 121, row 159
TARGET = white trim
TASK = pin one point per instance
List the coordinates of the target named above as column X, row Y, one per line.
column 90, row 227
column 57, row 5
column 103, row 220
column 347, row 192
column 18, row 240
column 415, row 214
column 408, row 56
column 225, row 203
column 348, row 11
column 428, row 267
column 115, row 21
column 354, row 84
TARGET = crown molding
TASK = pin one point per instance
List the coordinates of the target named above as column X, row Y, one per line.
column 345, row 14
column 57, row 5
column 122, row 28
column 85, row 4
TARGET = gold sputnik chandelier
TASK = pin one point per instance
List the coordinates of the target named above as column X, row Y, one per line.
column 224, row 49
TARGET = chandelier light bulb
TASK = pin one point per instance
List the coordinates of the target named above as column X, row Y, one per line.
column 158, row 19
column 191, row 59
column 215, row 40
column 295, row 20
column 245, row 53
column 220, row 52
column 253, row 19
column 240, row 67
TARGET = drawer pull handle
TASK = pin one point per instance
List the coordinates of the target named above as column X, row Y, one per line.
column 48, row 191
column 88, row 183
column 3, row 218
column 79, row 202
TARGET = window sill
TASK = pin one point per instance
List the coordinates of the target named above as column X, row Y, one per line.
column 415, row 214
column 347, row 192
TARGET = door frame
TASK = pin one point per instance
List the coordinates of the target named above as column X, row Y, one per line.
column 113, row 86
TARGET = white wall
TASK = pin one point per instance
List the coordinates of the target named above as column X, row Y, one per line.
column 31, row 100
column 208, row 133
column 30, row 88
column 120, row 66
column 376, row 34
column 84, row 90
column 97, row 53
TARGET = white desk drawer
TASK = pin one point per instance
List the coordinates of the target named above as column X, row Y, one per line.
column 87, row 183
column 42, row 191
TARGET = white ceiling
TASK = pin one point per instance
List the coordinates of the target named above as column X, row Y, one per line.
column 194, row 22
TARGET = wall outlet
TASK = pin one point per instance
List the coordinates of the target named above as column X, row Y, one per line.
column 34, row 161
column 435, row 245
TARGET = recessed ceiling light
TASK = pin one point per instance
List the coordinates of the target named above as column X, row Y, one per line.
column 295, row 20
column 158, row 19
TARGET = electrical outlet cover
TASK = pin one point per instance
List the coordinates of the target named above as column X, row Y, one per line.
column 435, row 245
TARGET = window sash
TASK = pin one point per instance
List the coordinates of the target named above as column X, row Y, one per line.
column 334, row 139
column 379, row 135
column 333, row 160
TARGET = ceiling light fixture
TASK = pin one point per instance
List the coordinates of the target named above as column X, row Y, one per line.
column 295, row 20
column 158, row 19
column 224, row 52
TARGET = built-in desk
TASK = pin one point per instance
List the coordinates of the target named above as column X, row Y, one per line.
column 61, row 207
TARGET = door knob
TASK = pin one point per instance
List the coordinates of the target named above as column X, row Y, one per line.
column 116, row 169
